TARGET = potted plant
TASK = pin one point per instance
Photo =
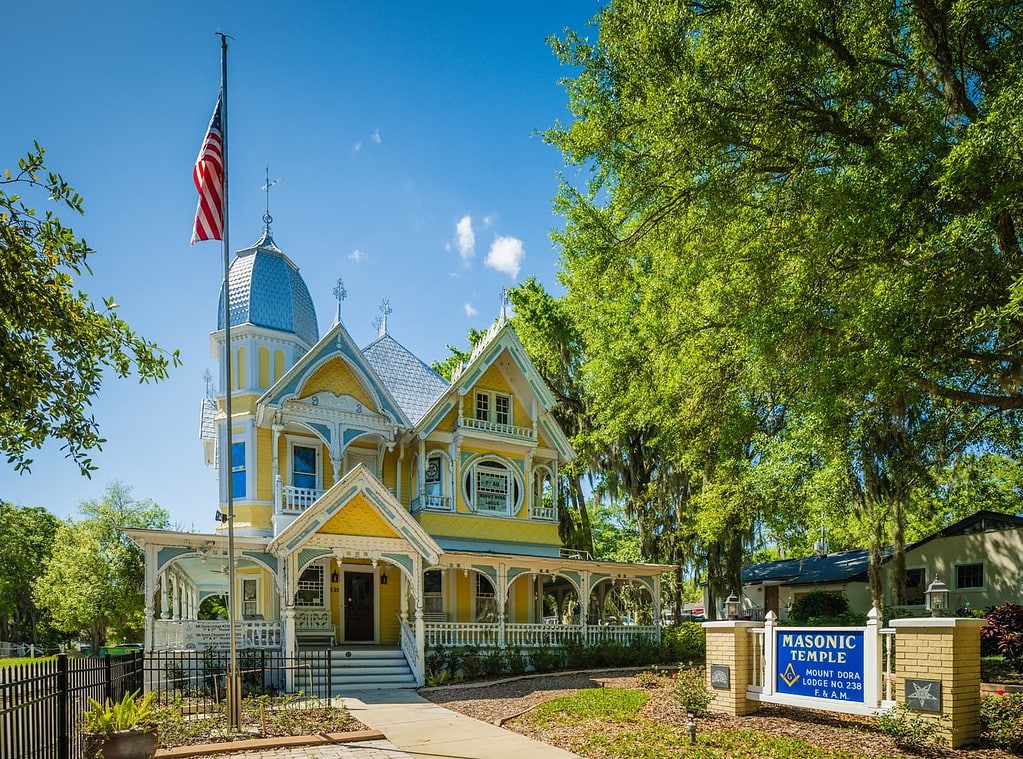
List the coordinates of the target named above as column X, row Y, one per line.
column 122, row 729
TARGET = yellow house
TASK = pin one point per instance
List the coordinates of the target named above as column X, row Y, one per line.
column 375, row 503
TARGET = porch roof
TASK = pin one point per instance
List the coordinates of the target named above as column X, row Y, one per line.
column 542, row 563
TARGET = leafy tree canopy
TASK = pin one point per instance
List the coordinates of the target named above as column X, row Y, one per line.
column 26, row 541
column 55, row 343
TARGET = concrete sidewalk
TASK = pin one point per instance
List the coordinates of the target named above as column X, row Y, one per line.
column 428, row 731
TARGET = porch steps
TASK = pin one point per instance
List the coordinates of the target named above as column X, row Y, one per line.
column 356, row 668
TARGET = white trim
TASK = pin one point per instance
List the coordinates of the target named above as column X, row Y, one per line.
column 241, row 580
column 312, row 441
column 512, row 504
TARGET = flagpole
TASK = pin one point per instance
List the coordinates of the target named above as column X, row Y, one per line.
column 233, row 678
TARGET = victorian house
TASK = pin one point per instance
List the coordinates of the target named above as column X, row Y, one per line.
column 376, row 504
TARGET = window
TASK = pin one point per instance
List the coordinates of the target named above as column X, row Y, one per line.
column 969, row 576
column 238, row 470
column 491, row 487
column 915, row 587
column 486, row 600
column 483, row 407
column 493, row 407
column 250, row 597
column 433, row 592
column 310, row 588
column 435, row 475
column 303, row 466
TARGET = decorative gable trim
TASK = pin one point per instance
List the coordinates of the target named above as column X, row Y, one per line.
column 358, row 481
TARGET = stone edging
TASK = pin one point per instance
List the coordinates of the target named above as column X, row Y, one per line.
column 262, row 744
column 533, row 676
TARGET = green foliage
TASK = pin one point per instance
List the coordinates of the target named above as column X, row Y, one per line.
column 546, row 659
column 95, row 577
column 605, row 704
column 1001, row 720
column 818, row 607
column 26, row 541
column 683, row 642
column 514, row 660
column 131, row 712
column 908, row 730
column 55, row 344
column 437, row 676
column 690, row 690
column 1004, row 631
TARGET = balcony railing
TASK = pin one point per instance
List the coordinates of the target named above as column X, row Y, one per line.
column 198, row 635
column 543, row 513
column 291, row 500
column 427, row 502
column 483, row 425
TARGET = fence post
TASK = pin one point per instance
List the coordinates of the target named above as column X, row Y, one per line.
column 63, row 699
column 330, row 678
column 108, row 686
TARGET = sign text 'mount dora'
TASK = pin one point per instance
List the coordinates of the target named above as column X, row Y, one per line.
column 820, row 664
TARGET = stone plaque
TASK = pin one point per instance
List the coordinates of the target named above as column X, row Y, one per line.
column 720, row 676
column 923, row 695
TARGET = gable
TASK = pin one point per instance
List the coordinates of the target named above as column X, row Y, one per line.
column 335, row 376
column 358, row 517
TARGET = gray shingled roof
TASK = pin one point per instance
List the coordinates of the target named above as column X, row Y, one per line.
column 414, row 385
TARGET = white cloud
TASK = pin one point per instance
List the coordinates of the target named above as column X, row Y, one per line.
column 356, row 256
column 470, row 310
column 376, row 136
column 465, row 238
column 488, row 220
column 357, row 146
column 506, row 254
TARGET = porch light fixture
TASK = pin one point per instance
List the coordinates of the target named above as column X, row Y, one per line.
column 334, row 577
column 732, row 606
column 937, row 594
column 383, row 577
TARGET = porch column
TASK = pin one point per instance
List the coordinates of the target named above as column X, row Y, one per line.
column 421, row 474
column 657, row 605
column 420, row 640
column 150, row 591
column 165, row 594
column 502, row 593
column 176, row 599
column 290, row 646
column 584, row 603
column 403, row 607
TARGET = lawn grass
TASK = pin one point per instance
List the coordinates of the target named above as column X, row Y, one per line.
column 593, row 713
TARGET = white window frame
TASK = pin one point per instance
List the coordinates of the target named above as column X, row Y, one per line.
column 492, row 396
column 475, row 596
column 439, row 596
column 512, row 504
column 309, row 586
column 305, row 442
column 983, row 569
column 923, row 569
column 255, row 579
column 441, row 474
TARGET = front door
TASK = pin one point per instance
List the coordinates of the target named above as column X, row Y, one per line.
column 358, row 606
column 770, row 598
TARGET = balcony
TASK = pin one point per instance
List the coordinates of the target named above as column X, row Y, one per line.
column 292, row 501
column 542, row 513
column 427, row 502
column 507, row 430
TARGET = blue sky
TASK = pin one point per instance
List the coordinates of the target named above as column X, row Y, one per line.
column 405, row 136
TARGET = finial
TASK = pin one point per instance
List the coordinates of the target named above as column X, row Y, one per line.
column 504, row 304
column 208, row 379
column 381, row 321
column 267, row 218
column 340, row 295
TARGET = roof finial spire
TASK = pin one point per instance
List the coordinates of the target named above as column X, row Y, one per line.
column 504, row 305
column 381, row 321
column 340, row 295
column 267, row 218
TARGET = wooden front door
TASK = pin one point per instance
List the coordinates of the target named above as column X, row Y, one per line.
column 770, row 598
column 358, row 600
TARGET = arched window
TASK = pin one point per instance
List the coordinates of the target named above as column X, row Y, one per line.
column 490, row 486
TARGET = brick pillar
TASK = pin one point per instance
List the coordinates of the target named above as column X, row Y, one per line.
column 731, row 644
column 945, row 649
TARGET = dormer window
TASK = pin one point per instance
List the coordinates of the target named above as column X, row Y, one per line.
column 493, row 407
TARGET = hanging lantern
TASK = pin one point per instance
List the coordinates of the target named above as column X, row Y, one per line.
column 937, row 597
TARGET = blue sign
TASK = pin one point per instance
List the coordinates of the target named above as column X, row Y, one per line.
column 820, row 663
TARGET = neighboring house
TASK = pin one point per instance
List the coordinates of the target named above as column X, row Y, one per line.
column 980, row 558
column 374, row 502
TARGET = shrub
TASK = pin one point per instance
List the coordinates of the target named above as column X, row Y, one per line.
column 546, row 659
column 690, row 689
column 818, row 606
column 684, row 642
column 514, row 660
column 437, row 658
column 1004, row 631
column 908, row 730
column 472, row 663
column 492, row 661
column 1001, row 718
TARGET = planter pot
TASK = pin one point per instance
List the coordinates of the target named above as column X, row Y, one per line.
column 123, row 744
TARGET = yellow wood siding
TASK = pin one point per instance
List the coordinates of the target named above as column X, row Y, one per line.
column 491, row 528
column 447, row 424
column 390, row 598
column 388, row 476
column 520, row 597
column 264, row 465
column 358, row 517
column 279, row 367
column 252, row 515
column 463, row 596
column 336, row 377
column 264, row 367
column 239, row 369
column 493, row 379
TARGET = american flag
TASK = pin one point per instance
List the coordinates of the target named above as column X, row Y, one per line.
column 209, row 181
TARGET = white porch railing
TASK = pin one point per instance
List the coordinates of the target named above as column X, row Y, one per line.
column 543, row 513
column 313, row 619
column 426, row 502
column 291, row 500
column 198, row 635
column 537, row 636
column 408, row 646
column 530, row 635
column 461, row 634
column 623, row 634
column 525, row 433
column 758, row 661
column 888, row 672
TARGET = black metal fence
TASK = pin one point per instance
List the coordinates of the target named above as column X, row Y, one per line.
column 41, row 702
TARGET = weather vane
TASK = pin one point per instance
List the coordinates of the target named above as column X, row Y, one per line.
column 267, row 218
column 340, row 295
column 208, row 379
column 380, row 322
